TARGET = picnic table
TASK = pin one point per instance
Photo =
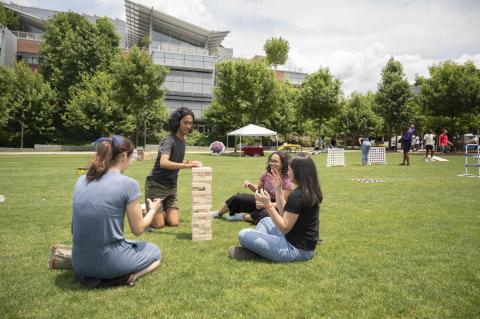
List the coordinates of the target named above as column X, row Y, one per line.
column 252, row 151
column 290, row 148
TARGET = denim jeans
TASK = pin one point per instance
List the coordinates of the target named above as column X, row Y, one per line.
column 365, row 152
column 268, row 241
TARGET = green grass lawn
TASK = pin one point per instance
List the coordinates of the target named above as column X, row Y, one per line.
column 405, row 248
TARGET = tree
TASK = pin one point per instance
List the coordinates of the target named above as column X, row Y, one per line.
column 319, row 96
column 9, row 19
column 392, row 96
column 276, row 50
column 93, row 110
column 452, row 92
column 7, row 88
column 245, row 92
column 138, row 84
column 31, row 106
column 284, row 119
column 357, row 117
column 73, row 47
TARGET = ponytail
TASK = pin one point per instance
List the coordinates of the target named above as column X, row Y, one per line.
column 107, row 152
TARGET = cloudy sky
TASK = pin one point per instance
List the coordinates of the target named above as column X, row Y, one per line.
column 354, row 38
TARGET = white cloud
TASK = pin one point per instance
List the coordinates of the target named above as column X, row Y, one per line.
column 353, row 38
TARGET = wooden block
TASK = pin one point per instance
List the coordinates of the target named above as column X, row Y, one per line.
column 201, row 237
column 201, row 216
column 201, row 169
column 202, row 187
column 202, row 208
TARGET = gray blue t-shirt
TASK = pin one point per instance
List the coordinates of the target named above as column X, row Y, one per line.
column 99, row 209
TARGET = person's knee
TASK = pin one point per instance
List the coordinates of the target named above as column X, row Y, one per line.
column 158, row 224
column 243, row 235
column 173, row 223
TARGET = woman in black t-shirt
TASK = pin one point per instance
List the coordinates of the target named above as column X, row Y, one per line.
column 291, row 233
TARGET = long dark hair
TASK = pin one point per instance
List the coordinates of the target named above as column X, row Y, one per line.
column 176, row 116
column 305, row 174
column 108, row 151
column 283, row 158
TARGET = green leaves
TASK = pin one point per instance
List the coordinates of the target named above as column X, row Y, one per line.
column 276, row 50
column 392, row 97
column 453, row 92
column 319, row 96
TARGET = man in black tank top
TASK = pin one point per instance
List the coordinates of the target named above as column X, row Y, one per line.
column 162, row 181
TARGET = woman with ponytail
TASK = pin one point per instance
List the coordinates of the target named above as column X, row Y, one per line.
column 291, row 233
column 100, row 200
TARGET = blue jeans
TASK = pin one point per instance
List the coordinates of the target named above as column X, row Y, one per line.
column 365, row 152
column 268, row 241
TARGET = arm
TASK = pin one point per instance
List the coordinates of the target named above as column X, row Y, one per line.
column 284, row 222
column 253, row 187
column 137, row 222
column 167, row 164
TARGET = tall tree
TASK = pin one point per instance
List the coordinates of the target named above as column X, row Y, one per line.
column 31, row 106
column 72, row 47
column 7, row 87
column 357, row 117
column 9, row 19
column 392, row 97
column 138, row 84
column 276, row 50
column 452, row 92
column 285, row 118
column 319, row 96
column 93, row 110
column 245, row 92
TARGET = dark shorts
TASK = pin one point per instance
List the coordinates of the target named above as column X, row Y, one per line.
column 429, row 147
column 245, row 203
column 156, row 190
column 406, row 147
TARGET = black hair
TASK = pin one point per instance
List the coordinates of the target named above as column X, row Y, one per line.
column 177, row 116
column 283, row 158
column 305, row 175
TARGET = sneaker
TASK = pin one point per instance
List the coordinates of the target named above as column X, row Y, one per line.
column 240, row 253
column 235, row 217
column 215, row 214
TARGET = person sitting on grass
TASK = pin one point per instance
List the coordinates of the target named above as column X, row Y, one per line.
column 245, row 203
column 100, row 200
column 292, row 232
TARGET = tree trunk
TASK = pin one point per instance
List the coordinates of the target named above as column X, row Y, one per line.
column 145, row 133
column 21, row 135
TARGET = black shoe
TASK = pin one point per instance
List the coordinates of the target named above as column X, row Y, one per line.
column 402, row 164
column 240, row 253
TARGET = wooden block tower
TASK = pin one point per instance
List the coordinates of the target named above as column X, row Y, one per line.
column 201, row 203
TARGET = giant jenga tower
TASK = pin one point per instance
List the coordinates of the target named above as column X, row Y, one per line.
column 201, row 203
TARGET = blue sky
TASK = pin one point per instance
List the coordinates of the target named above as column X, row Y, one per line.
column 354, row 38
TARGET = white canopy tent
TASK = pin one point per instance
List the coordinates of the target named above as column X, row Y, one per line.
column 251, row 130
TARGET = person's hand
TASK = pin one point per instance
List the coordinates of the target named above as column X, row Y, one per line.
column 195, row 163
column 259, row 205
column 155, row 204
column 263, row 197
column 246, row 184
column 275, row 179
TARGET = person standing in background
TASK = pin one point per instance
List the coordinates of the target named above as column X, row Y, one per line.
column 429, row 139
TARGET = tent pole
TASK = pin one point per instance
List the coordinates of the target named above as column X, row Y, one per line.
column 240, row 153
column 227, row 144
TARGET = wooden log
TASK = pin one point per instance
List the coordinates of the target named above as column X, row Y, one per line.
column 60, row 257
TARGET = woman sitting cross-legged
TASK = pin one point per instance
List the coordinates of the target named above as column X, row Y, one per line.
column 245, row 203
column 100, row 200
column 291, row 233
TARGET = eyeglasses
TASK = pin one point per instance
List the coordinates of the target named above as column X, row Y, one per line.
column 273, row 161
